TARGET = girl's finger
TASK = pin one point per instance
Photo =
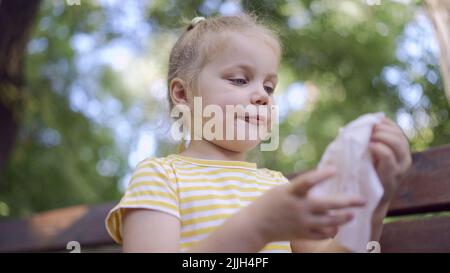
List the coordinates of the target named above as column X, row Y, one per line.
column 393, row 142
column 313, row 235
column 330, row 231
column 324, row 233
column 333, row 220
column 392, row 127
column 323, row 206
column 384, row 154
column 381, row 126
column 390, row 122
column 301, row 184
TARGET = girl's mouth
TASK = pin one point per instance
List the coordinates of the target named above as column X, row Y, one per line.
column 254, row 119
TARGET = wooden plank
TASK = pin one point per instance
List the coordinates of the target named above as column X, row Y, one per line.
column 426, row 187
column 51, row 231
column 420, row 236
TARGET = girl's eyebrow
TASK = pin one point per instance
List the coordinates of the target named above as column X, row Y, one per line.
column 248, row 67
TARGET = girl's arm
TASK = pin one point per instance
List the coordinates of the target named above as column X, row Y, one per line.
column 240, row 233
column 150, row 231
column 153, row 231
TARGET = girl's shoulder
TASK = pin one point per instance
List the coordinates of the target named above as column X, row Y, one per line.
column 163, row 163
column 153, row 161
column 277, row 175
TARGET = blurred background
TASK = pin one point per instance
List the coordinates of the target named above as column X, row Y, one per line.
column 83, row 93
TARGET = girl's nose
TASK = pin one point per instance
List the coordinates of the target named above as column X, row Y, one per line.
column 260, row 97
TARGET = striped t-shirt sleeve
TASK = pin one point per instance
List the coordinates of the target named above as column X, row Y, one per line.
column 284, row 179
column 151, row 187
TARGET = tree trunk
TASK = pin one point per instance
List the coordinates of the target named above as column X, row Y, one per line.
column 16, row 18
column 439, row 11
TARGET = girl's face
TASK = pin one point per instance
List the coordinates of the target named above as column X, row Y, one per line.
column 244, row 72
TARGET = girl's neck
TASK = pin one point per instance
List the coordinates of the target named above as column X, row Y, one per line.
column 204, row 149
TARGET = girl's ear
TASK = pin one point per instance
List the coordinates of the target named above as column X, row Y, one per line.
column 178, row 91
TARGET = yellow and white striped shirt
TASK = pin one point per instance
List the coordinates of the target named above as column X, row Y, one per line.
column 201, row 193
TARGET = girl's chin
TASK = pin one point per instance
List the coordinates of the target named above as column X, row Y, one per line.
column 237, row 145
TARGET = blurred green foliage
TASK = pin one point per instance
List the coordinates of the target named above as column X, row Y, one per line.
column 341, row 59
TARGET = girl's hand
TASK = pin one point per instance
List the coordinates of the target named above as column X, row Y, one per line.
column 287, row 213
column 391, row 156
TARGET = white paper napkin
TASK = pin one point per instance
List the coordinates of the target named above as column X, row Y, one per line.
column 355, row 177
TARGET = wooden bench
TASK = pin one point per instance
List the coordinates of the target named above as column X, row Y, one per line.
column 419, row 222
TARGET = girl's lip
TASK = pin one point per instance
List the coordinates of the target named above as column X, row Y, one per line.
column 253, row 119
column 256, row 120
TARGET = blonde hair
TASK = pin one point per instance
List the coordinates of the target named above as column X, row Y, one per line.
column 196, row 46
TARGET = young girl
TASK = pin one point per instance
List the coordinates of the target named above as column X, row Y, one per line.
column 208, row 198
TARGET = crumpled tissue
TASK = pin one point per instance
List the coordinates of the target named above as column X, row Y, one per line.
column 355, row 177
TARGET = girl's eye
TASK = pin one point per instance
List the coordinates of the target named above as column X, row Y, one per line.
column 238, row 81
column 269, row 89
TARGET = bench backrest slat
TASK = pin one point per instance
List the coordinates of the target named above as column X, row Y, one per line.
column 426, row 188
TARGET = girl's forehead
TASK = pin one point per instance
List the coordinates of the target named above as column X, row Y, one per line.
column 243, row 40
column 239, row 47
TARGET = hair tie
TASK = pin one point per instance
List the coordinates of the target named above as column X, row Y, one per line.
column 195, row 22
